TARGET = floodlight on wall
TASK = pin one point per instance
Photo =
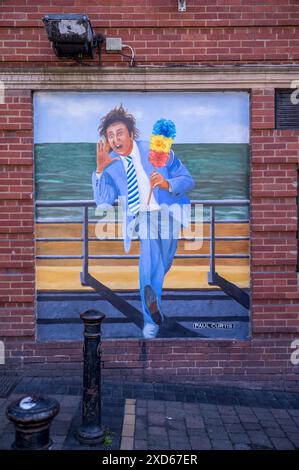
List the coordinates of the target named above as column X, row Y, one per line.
column 72, row 35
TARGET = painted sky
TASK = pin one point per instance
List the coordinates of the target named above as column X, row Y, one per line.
column 200, row 117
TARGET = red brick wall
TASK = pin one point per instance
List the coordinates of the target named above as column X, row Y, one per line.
column 214, row 32
column 263, row 361
column 275, row 159
column 17, row 279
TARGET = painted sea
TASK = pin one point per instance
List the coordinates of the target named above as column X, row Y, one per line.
column 63, row 172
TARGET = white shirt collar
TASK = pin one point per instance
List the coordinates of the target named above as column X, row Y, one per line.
column 134, row 154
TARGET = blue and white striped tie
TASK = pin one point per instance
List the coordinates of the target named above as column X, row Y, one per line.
column 133, row 192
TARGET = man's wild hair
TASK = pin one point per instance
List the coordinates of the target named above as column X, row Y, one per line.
column 119, row 114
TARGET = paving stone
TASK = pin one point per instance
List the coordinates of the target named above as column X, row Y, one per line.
column 191, row 408
column 259, row 438
column 242, row 447
column 249, row 418
column 294, row 438
column 211, row 415
column 236, row 428
column 262, row 413
column 129, row 420
column 6, row 441
column 159, row 440
column 156, row 446
column 156, row 419
column 252, row 426
column 207, row 411
column 244, row 412
column 68, row 409
column 70, row 400
column 156, row 406
column 64, row 417
column 140, row 423
column 227, row 410
column 141, row 434
column 56, row 447
column 130, row 402
column 177, row 435
column 206, row 408
column 226, row 419
column 220, row 435
column 141, row 411
column 197, row 433
column 222, row 444
column 179, row 445
column 282, row 443
column 142, row 403
column 296, row 420
column 140, row 444
column 160, row 446
column 286, row 421
column 3, row 402
column 243, row 409
column 127, row 443
column 200, row 443
column 270, row 424
column 214, row 429
column 128, row 430
column 289, row 428
column 239, row 438
column 173, row 413
column 59, row 430
column 9, row 427
column 157, row 431
column 194, row 422
column 274, row 432
column 174, row 406
column 58, row 439
column 213, row 421
column 176, row 425
column 278, row 413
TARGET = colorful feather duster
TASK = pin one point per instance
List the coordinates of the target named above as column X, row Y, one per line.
column 160, row 144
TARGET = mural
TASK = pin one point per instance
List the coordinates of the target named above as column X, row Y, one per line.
column 142, row 213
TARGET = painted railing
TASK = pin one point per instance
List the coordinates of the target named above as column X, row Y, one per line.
column 85, row 239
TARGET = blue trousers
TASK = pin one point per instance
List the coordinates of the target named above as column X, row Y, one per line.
column 158, row 233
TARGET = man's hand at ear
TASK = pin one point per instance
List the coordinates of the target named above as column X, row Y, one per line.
column 103, row 158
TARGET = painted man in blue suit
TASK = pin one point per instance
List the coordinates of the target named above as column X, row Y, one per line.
column 125, row 172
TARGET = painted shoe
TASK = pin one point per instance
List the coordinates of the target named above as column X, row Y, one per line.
column 150, row 330
column 152, row 305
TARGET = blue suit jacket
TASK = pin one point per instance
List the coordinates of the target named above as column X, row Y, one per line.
column 113, row 185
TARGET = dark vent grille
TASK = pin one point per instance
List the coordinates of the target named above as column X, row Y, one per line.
column 286, row 113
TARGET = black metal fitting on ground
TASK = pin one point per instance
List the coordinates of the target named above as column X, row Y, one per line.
column 90, row 432
column 32, row 416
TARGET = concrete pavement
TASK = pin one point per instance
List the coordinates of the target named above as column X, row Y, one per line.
column 168, row 416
